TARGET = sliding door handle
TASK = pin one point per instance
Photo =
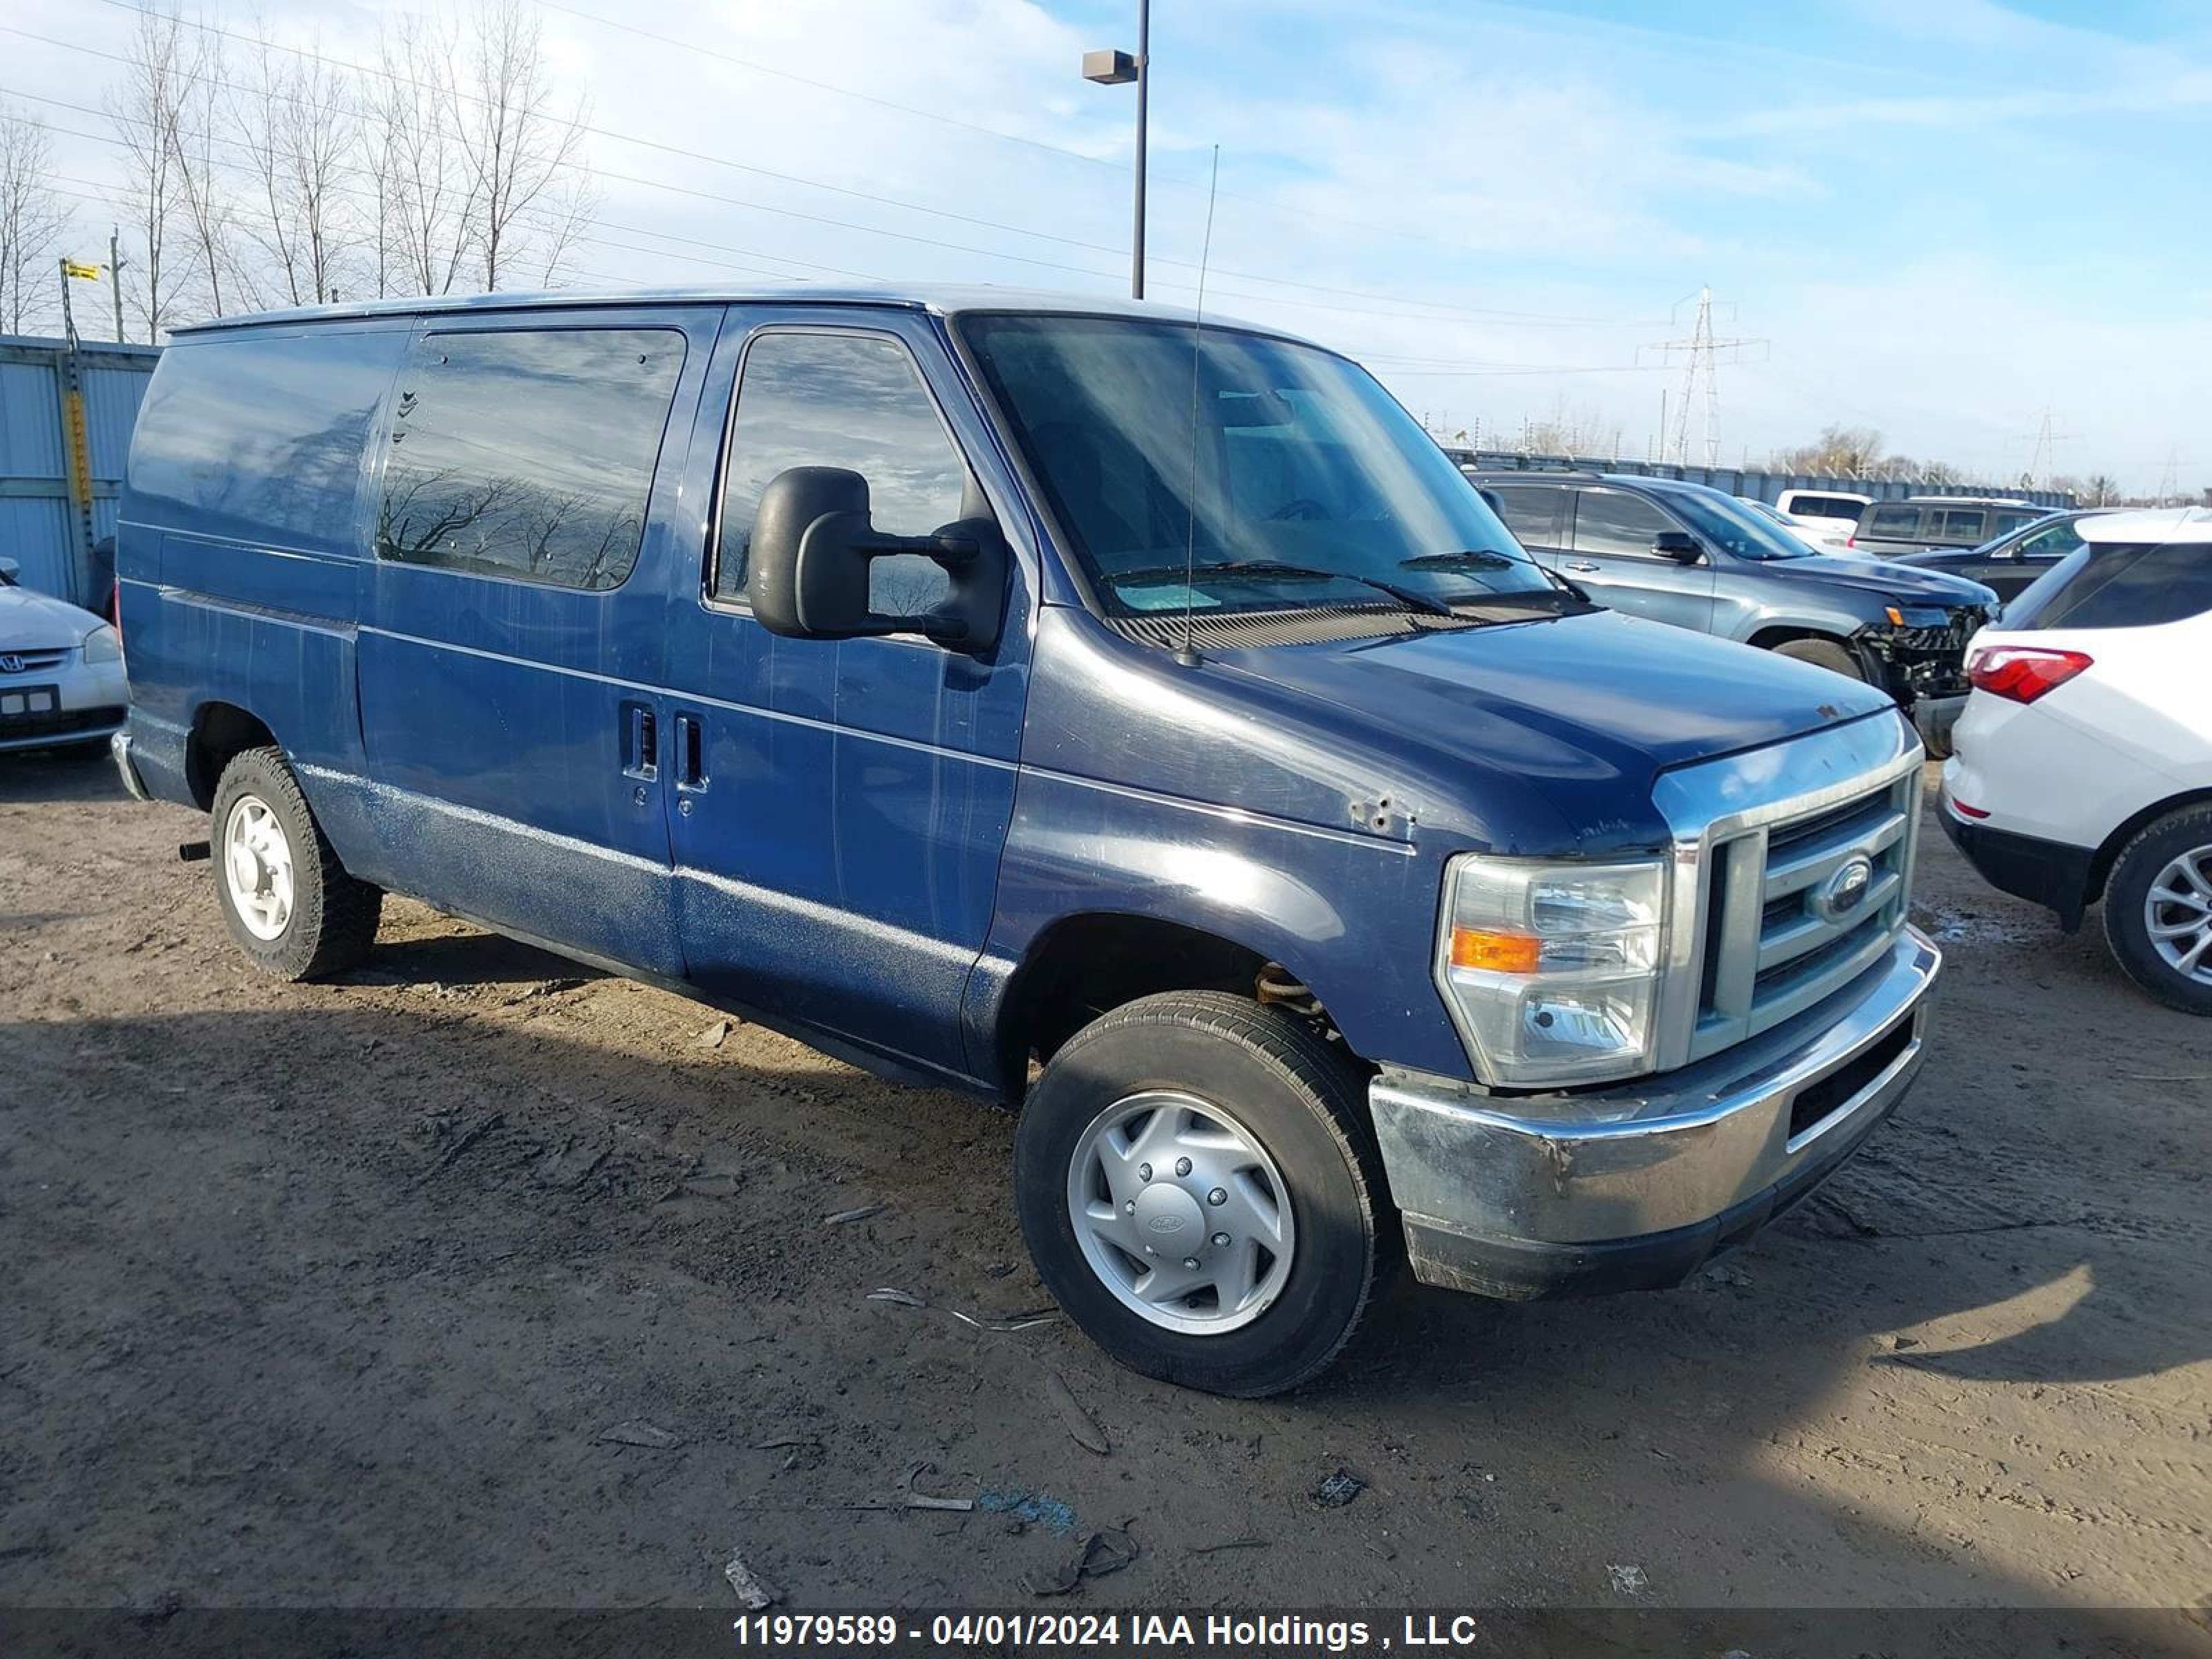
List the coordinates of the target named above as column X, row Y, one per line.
column 641, row 742
column 690, row 754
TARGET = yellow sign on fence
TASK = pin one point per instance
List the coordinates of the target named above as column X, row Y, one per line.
column 78, row 269
column 80, row 452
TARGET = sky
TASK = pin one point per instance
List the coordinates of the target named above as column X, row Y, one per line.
column 1948, row 220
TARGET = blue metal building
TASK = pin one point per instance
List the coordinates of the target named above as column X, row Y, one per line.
column 49, row 516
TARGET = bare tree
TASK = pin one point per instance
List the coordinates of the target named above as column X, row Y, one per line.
column 518, row 144
column 1581, row 431
column 567, row 219
column 32, row 218
column 301, row 133
column 145, row 109
column 190, row 121
column 1840, row 452
column 425, row 201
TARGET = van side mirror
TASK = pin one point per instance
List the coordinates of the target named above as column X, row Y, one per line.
column 1679, row 545
column 813, row 541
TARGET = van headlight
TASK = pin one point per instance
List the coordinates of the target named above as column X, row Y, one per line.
column 102, row 645
column 1551, row 969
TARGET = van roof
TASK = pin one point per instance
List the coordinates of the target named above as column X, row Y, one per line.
column 940, row 300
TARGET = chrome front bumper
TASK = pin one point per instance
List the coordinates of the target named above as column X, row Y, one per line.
column 1634, row 1187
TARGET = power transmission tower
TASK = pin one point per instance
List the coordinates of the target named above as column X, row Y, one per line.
column 1702, row 354
column 2170, row 480
column 2046, row 438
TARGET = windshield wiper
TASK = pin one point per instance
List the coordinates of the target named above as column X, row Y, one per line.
column 1481, row 558
column 1261, row 569
column 1475, row 558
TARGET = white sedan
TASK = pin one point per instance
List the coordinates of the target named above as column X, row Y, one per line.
column 2083, row 768
column 61, row 670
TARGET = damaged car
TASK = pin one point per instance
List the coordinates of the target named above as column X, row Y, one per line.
column 1697, row 557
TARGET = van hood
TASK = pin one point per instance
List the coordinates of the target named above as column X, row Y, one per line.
column 1903, row 583
column 1587, row 710
column 37, row 621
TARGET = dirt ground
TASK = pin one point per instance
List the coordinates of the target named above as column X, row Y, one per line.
column 478, row 1279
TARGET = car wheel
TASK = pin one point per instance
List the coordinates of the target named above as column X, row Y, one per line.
column 1198, row 1188
column 288, row 902
column 1823, row 653
column 2157, row 909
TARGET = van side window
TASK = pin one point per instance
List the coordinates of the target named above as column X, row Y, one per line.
column 851, row 400
column 1967, row 524
column 1901, row 522
column 527, row 453
column 259, row 436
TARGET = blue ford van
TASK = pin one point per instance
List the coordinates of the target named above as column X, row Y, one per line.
column 1137, row 722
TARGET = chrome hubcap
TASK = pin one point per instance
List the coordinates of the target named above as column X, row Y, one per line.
column 2177, row 912
column 257, row 867
column 1181, row 1213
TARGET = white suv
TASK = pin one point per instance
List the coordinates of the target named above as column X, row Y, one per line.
column 2084, row 758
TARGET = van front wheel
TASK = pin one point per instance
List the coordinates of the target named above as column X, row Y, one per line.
column 287, row 900
column 1199, row 1189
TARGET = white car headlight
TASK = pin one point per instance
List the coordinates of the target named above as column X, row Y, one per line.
column 1551, row 969
column 102, row 646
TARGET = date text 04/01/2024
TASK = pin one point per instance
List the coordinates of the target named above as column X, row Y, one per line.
column 1089, row 1630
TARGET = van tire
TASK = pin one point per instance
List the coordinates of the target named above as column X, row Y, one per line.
column 2152, row 852
column 1275, row 1081
column 1823, row 653
column 331, row 919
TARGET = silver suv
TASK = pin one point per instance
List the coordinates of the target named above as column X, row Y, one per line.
column 1695, row 556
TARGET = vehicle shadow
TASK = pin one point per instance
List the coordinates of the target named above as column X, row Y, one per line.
column 457, row 959
column 84, row 773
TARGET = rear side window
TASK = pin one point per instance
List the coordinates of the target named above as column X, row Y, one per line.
column 855, row 401
column 2003, row 524
column 1534, row 515
column 258, row 437
column 1606, row 521
column 528, row 453
column 1826, row 507
column 1961, row 524
column 2054, row 542
column 2109, row 585
column 1897, row 523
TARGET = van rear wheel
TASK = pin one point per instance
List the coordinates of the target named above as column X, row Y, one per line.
column 288, row 902
column 1199, row 1189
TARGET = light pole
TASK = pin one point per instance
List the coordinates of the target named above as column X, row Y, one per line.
column 1114, row 68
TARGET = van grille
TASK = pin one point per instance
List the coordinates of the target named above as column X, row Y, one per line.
column 1798, row 907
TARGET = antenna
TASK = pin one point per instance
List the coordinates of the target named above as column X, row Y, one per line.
column 1188, row 654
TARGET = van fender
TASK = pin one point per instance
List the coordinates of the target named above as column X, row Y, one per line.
column 1076, row 846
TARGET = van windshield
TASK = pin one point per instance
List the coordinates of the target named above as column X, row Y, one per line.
column 1302, row 484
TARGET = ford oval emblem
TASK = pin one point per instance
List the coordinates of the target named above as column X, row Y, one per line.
column 1845, row 889
column 1164, row 1223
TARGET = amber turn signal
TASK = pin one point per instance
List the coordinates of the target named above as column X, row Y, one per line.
column 1500, row 953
